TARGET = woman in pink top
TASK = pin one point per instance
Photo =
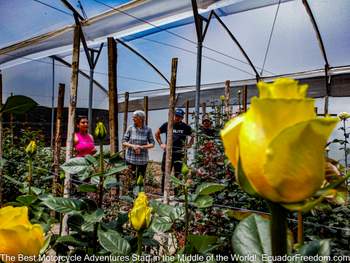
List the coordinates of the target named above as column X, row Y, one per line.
column 83, row 141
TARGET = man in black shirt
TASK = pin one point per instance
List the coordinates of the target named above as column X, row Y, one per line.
column 180, row 132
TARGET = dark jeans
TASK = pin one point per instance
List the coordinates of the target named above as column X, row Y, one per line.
column 176, row 162
column 137, row 170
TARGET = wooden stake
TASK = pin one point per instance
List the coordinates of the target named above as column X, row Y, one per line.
column 187, row 111
column 204, row 109
column 1, row 142
column 58, row 139
column 145, row 108
column 245, row 98
column 227, row 98
column 169, row 144
column 113, row 95
column 71, row 116
column 126, row 110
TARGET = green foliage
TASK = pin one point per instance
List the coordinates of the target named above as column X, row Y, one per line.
column 15, row 168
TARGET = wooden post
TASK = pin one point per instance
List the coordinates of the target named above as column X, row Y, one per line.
column 239, row 94
column 169, row 144
column 245, row 98
column 126, row 110
column 113, row 95
column 71, row 115
column 204, row 109
column 58, row 139
column 326, row 103
column 227, row 98
column 145, row 108
column 1, row 150
column 187, row 111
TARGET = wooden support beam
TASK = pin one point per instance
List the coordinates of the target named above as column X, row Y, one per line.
column 227, row 98
column 113, row 95
column 204, row 109
column 169, row 144
column 71, row 115
column 245, row 98
column 126, row 110
column 145, row 108
column 187, row 111
column 1, row 148
column 58, row 139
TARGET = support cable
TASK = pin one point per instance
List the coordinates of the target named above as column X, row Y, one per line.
column 270, row 37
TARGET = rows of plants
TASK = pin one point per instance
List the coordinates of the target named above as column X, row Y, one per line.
column 220, row 213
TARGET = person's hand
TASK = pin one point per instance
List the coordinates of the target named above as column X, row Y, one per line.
column 163, row 146
column 137, row 149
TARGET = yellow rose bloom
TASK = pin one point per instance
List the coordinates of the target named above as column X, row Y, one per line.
column 31, row 148
column 18, row 235
column 100, row 131
column 280, row 142
column 140, row 214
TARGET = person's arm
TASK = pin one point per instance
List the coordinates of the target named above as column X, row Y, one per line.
column 190, row 133
column 159, row 139
column 150, row 140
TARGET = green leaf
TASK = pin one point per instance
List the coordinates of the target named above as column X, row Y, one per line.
column 18, row 104
column 75, row 165
column 46, row 245
column 203, row 201
column 307, row 205
column 91, row 159
column 109, row 182
column 87, row 188
column 209, row 188
column 91, row 219
column 202, row 243
column 61, row 204
column 315, row 247
column 70, row 241
column 176, row 181
column 251, row 238
column 26, row 199
column 16, row 182
column 161, row 224
column 116, row 170
column 113, row 242
column 243, row 181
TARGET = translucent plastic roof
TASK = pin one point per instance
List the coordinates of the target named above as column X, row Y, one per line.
column 278, row 37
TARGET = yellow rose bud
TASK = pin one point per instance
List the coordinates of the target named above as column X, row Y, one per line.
column 344, row 115
column 140, row 180
column 222, row 98
column 280, row 142
column 184, row 169
column 31, row 148
column 18, row 235
column 100, row 131
column 140, row 214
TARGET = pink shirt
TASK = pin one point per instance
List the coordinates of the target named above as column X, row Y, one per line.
column 85, row 144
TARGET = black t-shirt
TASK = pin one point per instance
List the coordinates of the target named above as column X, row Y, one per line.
column 208, row 131
column 180, row 131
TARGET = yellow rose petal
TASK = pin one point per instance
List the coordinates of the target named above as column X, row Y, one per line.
column 230, row 138
column 295, row 160
column 282, row 88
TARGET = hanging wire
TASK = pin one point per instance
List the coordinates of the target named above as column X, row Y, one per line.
column 53, row 7
column 166, row 44
column 270, row 37
column 82, row 9
column 170, row 32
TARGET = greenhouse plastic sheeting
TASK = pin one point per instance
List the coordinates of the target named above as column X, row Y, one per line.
column 116, row 22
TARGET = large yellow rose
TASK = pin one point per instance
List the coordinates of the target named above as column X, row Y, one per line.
column 18, row 235
column 279, row 142
column 140, row 214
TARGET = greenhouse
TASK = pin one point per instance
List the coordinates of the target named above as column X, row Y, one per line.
column 174, row 131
